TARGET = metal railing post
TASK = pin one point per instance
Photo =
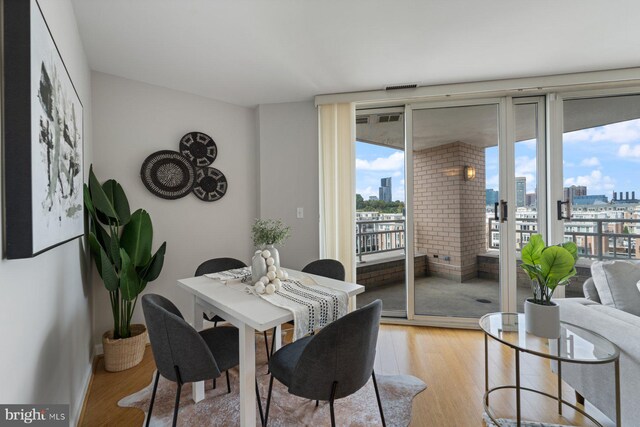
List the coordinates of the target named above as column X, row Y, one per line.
column 599, row 238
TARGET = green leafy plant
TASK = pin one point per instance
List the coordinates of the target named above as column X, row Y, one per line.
column 120, row 243
column 269, row 232
column 548, row 267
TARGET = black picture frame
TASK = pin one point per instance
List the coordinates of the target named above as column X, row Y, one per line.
column 43, row 136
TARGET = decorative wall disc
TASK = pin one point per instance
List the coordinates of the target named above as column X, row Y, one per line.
column 168, row 174
column 199, row 148
column 211, row 184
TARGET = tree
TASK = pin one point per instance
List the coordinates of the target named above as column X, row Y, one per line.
column 359, row 202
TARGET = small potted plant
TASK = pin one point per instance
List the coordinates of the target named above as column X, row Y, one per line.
column 120, row 243
column 269, row 232
column 548, row 267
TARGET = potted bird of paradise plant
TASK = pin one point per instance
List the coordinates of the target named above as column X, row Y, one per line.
column 120, row 243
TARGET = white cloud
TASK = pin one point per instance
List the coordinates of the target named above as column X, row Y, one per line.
column 627, row 150
column 591, row 162
column 596, row 182
column 525, row 165
column 394, row 162
column 493, row 182
column 529, row 143
column 620, row 133
column 366, row 192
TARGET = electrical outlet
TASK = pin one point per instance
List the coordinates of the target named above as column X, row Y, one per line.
column 435, row 255
column 300, row 213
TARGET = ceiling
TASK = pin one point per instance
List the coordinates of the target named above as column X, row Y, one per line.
column 478, row 124
column 250, row 52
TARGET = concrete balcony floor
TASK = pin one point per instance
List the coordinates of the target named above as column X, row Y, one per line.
column 436, row 296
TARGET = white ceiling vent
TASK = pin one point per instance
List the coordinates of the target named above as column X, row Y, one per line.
column 362, row 120
column 388, row 118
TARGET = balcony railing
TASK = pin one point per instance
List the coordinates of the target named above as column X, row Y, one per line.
column 599, row 238
column 378, row 236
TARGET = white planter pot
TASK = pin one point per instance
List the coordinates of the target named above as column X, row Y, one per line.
column 258, row 266
column 542, row 320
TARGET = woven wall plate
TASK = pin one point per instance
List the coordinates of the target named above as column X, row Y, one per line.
column 199, row 147
column 168, row 174
column 211, row 184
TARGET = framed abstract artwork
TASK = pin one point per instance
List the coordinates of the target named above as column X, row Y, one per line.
column 43, row 137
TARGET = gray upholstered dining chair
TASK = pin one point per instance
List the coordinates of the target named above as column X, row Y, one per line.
column 182, row 354
column 327, row 268
column 332, row 364
column 215, row 265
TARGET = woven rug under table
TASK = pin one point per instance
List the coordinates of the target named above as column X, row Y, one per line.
column 506, row 422
column 220, row 408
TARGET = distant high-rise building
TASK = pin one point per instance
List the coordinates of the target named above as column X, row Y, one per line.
column 594, row 199
column 521, row 191
column 531, row 199
column 373, row 197
column 623, row 197
column 492, row 196
column 385, row 190
column 574, row 191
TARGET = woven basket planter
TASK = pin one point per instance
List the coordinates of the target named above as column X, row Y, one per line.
column 124, row 353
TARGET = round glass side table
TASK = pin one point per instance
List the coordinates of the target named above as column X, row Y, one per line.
column 575, row 345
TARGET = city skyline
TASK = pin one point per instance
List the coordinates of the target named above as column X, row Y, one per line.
column 604, row 159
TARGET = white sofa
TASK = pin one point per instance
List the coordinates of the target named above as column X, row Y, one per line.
column 605, row 310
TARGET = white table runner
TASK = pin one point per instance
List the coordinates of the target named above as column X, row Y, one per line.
column 241, row 275
column 313, row 306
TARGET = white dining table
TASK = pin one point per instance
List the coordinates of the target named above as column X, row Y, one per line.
column 249, row 313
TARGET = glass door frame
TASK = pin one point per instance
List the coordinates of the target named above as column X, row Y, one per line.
column 501, row 103
column 542, row 201
column 506, row 153
column 390, row 109
column 553, row 92
column 555, row 131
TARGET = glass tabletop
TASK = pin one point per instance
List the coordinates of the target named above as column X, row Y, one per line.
column 575, row 344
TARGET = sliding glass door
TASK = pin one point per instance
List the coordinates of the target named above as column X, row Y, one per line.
column 449, row 192
column 529, row 148
column 455, row 210
column 380, row 208
column 446, row 196
column 600, row 205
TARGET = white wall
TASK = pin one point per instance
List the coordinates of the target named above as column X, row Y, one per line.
column 289, row 176
column 131, row 121
column 45, row 314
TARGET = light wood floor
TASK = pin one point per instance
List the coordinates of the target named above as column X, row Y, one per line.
column 450, row 361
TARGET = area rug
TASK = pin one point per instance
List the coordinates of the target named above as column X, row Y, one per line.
column 220, row 408
column 505, row 422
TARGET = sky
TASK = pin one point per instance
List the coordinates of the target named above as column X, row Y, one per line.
column 604, row 159
column 374, row 162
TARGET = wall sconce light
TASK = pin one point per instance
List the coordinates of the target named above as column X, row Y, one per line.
column 469, row 173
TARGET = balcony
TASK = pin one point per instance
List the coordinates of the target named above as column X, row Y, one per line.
column 381, row 265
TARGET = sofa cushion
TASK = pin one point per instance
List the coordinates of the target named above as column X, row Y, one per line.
column 590, row 291
column 616, row 284
column 618, row 314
